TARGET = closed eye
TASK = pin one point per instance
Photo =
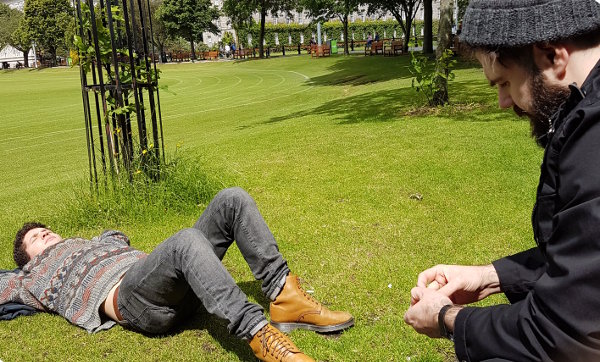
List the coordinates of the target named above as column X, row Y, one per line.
column 33, row 237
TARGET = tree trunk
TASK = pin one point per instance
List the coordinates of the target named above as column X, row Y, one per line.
column 346, row 51
column 161, row 54
column 26, row 58
column 193, row 56
column 405, row 29
column 428, row 27
column 237, row 37
column 440, row 97
column 261, row 40
column 53, row 55
column 408, row 24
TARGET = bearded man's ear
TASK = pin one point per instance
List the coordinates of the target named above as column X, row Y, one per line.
column 552, row 60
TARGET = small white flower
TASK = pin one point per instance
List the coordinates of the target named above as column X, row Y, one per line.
column 390, row 285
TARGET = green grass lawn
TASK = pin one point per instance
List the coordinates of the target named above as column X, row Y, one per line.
column 331, row 149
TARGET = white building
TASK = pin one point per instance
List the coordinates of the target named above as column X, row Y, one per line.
column 12, row 57
column 15, row 4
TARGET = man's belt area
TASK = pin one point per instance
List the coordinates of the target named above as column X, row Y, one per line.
column 110, row 306
column 115, row 306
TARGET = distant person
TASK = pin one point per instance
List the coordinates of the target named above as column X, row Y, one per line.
column 369, row 40
column 546, row 66
column 376, row 37
column 99, row 282
column 233, row 49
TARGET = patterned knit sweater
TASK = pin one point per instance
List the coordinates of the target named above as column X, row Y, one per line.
column 72, row 278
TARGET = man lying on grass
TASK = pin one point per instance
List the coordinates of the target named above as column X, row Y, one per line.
column 544, row 57
column 97, row 283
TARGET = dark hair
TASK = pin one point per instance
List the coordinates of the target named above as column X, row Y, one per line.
column 19, row 254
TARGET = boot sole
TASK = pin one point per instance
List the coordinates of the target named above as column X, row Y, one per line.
column 288, row 327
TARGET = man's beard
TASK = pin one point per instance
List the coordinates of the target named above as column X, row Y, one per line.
column 545, row 102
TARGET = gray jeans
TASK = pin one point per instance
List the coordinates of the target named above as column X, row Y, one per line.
column 185, row 271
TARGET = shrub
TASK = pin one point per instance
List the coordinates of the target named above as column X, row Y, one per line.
column 429, row 76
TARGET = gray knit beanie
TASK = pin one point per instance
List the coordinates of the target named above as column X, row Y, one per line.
column 513, row 23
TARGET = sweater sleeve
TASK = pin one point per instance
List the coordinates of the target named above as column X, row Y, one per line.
column 13, row 291
column 113, row 236
column 556, row 317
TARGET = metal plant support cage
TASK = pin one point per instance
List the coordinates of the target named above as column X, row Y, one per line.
column 112, row 44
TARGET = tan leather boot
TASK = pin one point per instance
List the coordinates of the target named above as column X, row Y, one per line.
column 269, row 344
column 294, row 308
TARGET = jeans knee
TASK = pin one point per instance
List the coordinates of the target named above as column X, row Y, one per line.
column 235, row 195
column 190, row 238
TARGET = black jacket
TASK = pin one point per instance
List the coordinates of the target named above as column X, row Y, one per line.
column 554, row 288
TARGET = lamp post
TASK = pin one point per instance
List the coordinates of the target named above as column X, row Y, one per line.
column 319, row 33
column 34, row 55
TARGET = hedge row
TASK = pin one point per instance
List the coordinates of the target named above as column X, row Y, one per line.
column 329, row 30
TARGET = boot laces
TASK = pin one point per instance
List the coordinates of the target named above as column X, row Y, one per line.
column 275, row 343
column 307, row 295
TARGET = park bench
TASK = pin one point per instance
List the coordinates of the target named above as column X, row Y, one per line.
column 320, row 50
column 290, row 48
column 243, row 53
column 211, row 54
column 375, row 48
column 395, row 48
column 180, row 56
column 239, row 54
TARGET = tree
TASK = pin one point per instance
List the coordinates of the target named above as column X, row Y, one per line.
column 9, row 18
column 440, row 97
column 240, row 13
column 155, row 33
column 21, row 40
column 273, row 7
column 159, row 31
column 403, row 10
column 227, row 38
column 329, row 9
column 46, row 22
column 189, row 19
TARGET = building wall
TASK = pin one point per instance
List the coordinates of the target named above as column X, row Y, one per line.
column 13, row 56
column 18, row 4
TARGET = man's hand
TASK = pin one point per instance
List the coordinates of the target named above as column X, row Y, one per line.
column 423, row 312
column 462, row 284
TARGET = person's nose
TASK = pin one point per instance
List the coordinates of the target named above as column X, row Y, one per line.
column 504, row 99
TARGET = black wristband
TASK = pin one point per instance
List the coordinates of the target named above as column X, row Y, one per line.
column 444, row 332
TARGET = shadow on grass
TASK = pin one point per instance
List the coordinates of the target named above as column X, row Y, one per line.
column 381, row 106
column 356, row 70
column 360, row 70
column 203, row 322
column 472, row 103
